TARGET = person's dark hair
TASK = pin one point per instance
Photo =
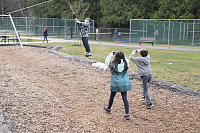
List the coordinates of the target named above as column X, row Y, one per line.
column 117, row 60
column 143, row 52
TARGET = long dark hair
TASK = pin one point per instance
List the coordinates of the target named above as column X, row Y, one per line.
column 117, row 60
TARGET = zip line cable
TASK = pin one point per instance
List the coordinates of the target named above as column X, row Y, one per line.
column 74, row 16
column 76, row 13
column 29, row 7
column 23, row 14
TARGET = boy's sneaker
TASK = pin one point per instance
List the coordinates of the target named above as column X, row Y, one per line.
column 127, row 117
column 106, row 109
column 149, row 106
column 142, row 98
column 88, row 54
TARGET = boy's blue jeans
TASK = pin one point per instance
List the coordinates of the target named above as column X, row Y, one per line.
column 145, row 82
column 124, row 97
column 85, row 43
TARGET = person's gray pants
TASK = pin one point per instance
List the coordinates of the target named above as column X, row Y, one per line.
column 145, row 82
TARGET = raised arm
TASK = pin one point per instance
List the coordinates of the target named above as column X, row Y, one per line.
column 77, row 21
column 133, row 58
column 108, row 59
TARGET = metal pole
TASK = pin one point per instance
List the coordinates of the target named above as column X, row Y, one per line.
column 164, row 32
column 146, row 28
column 169, row 32
column 71, row 33
column 53, row 26
column 93, row 26
column 143, row 29
column 15, row 30
column 184, row 32
column 65, row 29
column 193, row 33
column 180, row 32
column 130, row 32
column 26, row 26
column 154, row 28
column 173, row 31
column 187, row 31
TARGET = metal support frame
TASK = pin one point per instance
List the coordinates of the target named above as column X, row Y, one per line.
column 16, row 32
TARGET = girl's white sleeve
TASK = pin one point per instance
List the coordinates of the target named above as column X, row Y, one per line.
column 127, row 61
column 108, row 59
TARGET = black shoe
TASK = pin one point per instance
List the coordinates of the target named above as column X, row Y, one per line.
column 126, row 117
column 106, row 109
column 149, row 106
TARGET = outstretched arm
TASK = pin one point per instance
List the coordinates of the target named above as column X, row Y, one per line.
column 108, row 59
column 77, row 21
column 132, row 58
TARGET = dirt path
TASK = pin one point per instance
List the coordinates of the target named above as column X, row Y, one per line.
column 41, row 92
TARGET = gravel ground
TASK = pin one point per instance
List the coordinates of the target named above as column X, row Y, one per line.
column 43, row 93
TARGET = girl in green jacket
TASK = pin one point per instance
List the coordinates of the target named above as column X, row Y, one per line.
column 119, row 80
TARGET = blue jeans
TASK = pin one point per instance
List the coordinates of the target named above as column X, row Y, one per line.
column 45, row 38
column 145, row 82
column 124, row 97
column 85, row 43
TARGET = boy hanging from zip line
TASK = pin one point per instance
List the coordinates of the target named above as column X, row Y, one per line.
column 84, row 29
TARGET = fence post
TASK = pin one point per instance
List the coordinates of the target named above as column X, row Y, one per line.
column 169, row 32
column 36, row 29
column 71, row 32
column 180, row 31
column 95, row 35
column 26, row 25
column 164, row 32
column 193, row 33
column 130, row 32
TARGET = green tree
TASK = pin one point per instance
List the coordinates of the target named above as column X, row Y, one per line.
column 193, row 8
column 144, row 9
column 94, row 11
column 53, row 9
column 115, row 13
column 173, row 9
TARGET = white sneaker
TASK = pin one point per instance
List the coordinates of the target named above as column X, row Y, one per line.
column 149, row 106
column 142, row 98
column 88, row 54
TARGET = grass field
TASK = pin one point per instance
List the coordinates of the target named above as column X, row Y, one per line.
column 30, row 40
column 178, row 67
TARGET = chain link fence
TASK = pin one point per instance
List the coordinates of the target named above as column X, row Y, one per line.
column 31, row 26
column 111, row 34
column 61, row 28
column 166, row 31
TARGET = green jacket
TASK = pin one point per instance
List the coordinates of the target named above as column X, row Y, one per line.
column 119, row 77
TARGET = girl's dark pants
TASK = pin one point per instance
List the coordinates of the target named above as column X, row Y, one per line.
column 124, row 97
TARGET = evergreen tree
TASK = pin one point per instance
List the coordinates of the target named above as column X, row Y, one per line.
column 116, row 13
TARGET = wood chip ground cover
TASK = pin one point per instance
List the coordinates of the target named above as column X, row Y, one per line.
column 41, row 92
